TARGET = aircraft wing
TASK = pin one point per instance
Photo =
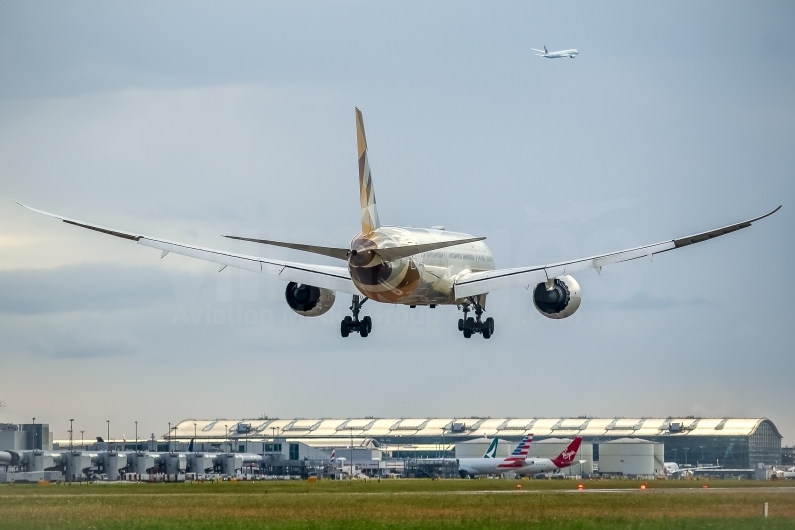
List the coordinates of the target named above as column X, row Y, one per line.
column 484, row 282
column 327, row 277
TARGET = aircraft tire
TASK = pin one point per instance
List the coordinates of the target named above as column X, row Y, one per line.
column 344, row 329
column 460, row 324
column 490, row 325
column 368, row 323
column 467, row 333
column 486, row 333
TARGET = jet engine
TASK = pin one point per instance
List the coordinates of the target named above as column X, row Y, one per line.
column 557, row 299
column 307, row 300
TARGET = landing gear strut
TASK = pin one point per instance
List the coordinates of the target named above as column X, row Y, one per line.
column 469, row 325
column 352, row 324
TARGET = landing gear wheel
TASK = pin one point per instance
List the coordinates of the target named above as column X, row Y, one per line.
column 467, row 333
column 460, row 324
column 488, row 329
column 353, row 324
column 469, row 323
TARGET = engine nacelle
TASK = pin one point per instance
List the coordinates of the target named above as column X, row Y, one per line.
column 561, row 301
column 307, row 300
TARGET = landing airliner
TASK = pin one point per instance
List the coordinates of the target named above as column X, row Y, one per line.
column 410, row 266
column 571, row 54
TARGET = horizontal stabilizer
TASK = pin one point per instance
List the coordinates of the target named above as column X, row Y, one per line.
column 393, row 253
column 339, row 253
column 387, row 254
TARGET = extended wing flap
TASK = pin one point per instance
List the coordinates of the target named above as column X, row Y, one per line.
column 483, row 282
column 222, row 258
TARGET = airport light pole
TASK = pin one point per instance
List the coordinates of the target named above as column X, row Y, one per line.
column 168, row 438
column 685, row 448
column 81, row 440
column 71, row 421
column 108, row 422
column 34, row 434
column 136, row 437
column 351, row 454
column 702, row 452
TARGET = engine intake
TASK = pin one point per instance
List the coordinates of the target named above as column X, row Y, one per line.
column 308, row 300
column 561, row 301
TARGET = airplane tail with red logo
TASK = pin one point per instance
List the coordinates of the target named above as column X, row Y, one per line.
column 566, row 458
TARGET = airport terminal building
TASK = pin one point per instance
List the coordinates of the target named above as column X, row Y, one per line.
column 734, row 443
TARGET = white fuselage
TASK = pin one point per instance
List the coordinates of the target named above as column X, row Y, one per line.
column 495, row 466
column 533, row 466
column 561, row 54
column 421, row 279
column 488, row 466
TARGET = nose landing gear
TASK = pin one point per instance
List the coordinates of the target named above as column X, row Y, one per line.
column 469, row 325
column 352, row 324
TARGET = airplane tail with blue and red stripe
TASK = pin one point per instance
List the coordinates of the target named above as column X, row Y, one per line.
column 519, row 454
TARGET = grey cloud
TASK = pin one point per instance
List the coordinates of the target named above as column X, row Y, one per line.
column 93, row 287
column 645, row 300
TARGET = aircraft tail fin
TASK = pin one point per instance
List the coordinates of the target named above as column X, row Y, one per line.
column 370, row 220
column 545, row 50
column 491, row 452
column 191, row 445
column 100, row 440
column 333, row 455
column 566, row 458
column 521, row 451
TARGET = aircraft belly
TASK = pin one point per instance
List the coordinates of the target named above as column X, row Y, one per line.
column 422, row 279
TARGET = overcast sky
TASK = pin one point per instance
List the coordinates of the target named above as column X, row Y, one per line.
column 188, row 120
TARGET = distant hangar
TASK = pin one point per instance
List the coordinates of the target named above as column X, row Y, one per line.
column 732, row 442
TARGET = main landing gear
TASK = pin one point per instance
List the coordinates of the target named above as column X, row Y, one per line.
column 353, row 324
column 471, row 325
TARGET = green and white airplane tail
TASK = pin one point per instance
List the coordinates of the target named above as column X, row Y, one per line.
column 491, row 452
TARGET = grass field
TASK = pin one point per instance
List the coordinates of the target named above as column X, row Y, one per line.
column 460, row 504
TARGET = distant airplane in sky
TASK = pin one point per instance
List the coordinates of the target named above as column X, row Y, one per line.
column 556, row 55
column 411, row 266
column 583, row 212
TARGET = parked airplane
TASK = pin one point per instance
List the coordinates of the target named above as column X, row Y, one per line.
column 533, row 465
column 491, row 452
column 489, row 465
column 556, row 55
column 673, row 469
column 410, row 266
